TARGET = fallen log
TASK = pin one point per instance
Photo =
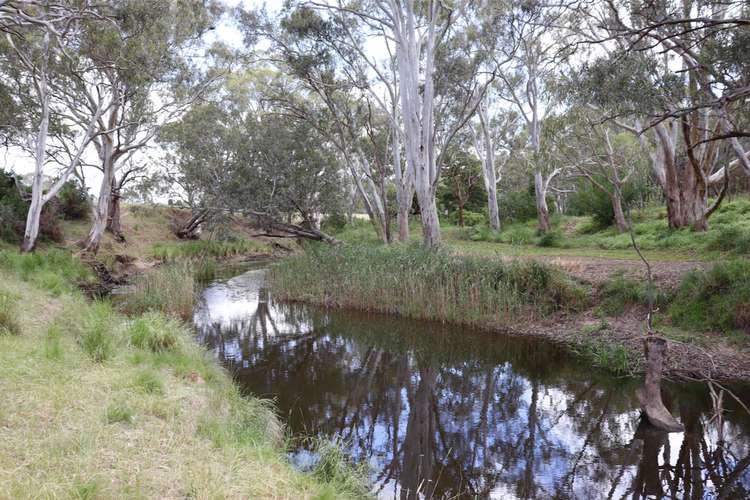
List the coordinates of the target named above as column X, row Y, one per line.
column 649, row 396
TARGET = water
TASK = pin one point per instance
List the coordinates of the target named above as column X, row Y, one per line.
column 443, row 412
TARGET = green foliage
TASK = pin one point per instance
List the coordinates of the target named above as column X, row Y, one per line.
column 169, row 289
column 550, row 239
column 732, row 239
column 518, row 206
column 471, row 219
column 613, row 358
column 73, row 201
column 715, row 299
column 620, row 292
column 8, row 314
column 13, row 210
column 417, row 282
column 154, row 332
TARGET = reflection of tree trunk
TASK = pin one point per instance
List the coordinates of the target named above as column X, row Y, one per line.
column 647, row 480
column 650, row 395
column 527, row 487
column 418, row 474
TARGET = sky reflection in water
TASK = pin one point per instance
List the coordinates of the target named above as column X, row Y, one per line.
column 439, row 411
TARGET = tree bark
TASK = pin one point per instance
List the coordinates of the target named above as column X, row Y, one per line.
column 101, row 208
column 620, row 221
column 650, row 395
column 541, row 202
column 114, row 225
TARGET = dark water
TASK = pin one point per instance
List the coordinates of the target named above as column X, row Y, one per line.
column 442, row 412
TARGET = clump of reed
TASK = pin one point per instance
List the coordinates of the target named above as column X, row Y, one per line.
column 169, row 289
column 422, row 283
column 196, row 249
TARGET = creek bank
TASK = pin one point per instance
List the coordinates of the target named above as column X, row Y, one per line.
column 518, row 297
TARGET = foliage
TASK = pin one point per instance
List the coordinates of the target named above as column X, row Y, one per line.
column 420, row 283
column 14, row 207
column 198, row 249
column 518, row 206
column 714, row 299
column 73, row 201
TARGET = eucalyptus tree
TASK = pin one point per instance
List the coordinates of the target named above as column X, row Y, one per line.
column 435, row 89
column 532, row 50
column 39, row 38
column 139, row 67
column 672, row 73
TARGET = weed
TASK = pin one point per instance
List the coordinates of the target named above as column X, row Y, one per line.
column 613, row 358
column 169, row 289
column 52, row 343
column 335, row 468
column 96, row 333
column 85, row 491
column 119, row 411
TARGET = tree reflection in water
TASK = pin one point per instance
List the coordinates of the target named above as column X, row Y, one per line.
column 438, row 411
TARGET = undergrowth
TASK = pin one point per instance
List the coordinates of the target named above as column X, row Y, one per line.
column 169, row 288
column 199, row 249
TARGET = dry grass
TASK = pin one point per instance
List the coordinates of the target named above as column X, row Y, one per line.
column 56, row 439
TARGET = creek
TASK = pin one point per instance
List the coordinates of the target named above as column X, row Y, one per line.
column 440, row 411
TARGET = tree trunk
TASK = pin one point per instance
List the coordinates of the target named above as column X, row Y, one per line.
column 403, row 223
column 650, row 395
column 430, row 220
column 493, row 211
column 101, row 208
column 113, row 220
column 620, row 221
column 541, row 202
column 460, row 215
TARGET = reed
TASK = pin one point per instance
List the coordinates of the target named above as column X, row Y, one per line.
column 428, row 284
column 169, row 289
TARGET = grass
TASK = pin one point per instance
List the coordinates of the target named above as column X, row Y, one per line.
column 412, row 281
column 8, row 314
column 200, row 249
column 620, row 293
column 717, row 299
column 101, row 405
column 169, row 288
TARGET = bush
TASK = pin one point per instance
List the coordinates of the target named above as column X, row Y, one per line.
column 471, row 219
column 14, row 208
column 8, row 315
column 73, row 201
column 153, row 332
column 550, row 239
column 518, row 206
column 424, row 283
column 730, row 239
column 716, row 299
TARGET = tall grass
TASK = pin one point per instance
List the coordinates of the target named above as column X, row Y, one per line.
column 55, row 270
column 169, row 251
column 421, row 283
column 169, row 289
column 8, row 314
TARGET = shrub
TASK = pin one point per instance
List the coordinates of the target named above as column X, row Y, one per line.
column 73, row 201
column 730, row 238
column 518, row 206
column 153, row 332
column 715, row 299
column 8, row 314
column 424, row 283
column 550, row 239
column 471, row 219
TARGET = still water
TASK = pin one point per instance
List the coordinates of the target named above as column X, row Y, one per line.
column 439, row 411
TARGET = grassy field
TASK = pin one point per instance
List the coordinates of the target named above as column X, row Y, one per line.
column 102, row 405
column 729, row 235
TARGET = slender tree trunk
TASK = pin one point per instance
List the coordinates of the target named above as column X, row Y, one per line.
column 430, row 220
column 403, row 223
column 460, row 214
column 541, row 202
column 492, row 209
column 620, row 221
column 34, row 215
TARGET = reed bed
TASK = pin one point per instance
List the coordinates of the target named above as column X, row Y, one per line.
column 427, row 284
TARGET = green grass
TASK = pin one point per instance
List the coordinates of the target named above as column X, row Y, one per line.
column 89, row 412
column 200, row 249
column 717, row 299
column 8, row 314
column 412, row 281
column 169, row 289
column 620, row 293
column 55, row 270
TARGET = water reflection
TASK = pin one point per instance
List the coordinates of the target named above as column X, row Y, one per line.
column 437, row 412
